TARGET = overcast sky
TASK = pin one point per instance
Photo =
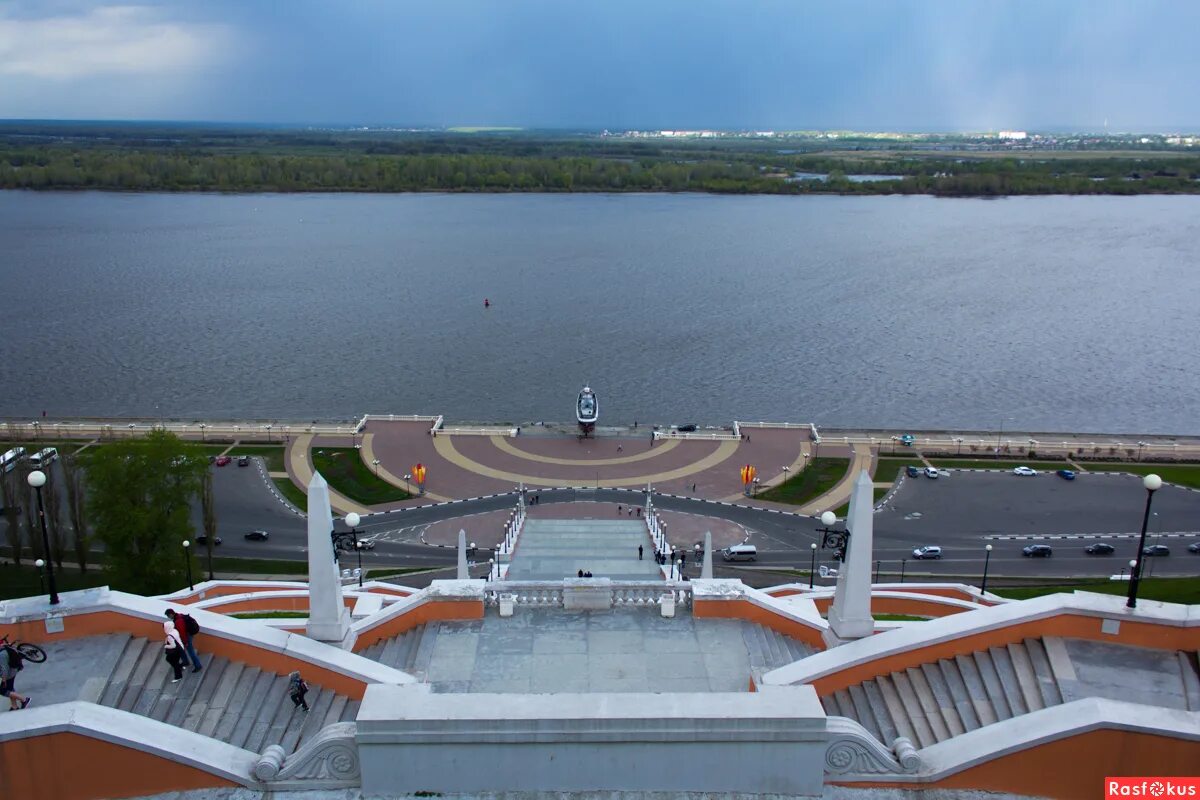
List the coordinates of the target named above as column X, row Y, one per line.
column 790, row 64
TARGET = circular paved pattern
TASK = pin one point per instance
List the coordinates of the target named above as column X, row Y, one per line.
column 503, row 444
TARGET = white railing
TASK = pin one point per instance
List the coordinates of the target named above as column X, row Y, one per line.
column 480, row 430
column 761, row 424
column 512, row 533
column 197, row 429
column 706, row 436
column 624, row 594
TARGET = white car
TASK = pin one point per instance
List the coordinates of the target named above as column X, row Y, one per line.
column 932, row 472
column 1024, row 471
column 931, row 551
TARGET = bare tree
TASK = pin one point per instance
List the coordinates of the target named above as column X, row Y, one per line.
column 51, row 505
column 76, row 498
column 33, row 532
column 208, row 512
column 11, row 486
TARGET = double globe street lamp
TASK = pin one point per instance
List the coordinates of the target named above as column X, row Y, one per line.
column 37, row 479
column 1152, row 484
column 352, row 519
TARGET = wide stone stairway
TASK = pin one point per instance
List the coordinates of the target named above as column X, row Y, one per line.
column 941, row 699
column 228, row 700
column 553, row 549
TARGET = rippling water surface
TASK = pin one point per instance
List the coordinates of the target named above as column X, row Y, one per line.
column 1071, row 313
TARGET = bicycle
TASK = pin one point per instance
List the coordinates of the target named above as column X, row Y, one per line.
column 30, row 652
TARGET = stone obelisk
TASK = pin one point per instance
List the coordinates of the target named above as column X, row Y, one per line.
column 328, row 617
column 706, row 570
column 462, row 573
column 850, row 614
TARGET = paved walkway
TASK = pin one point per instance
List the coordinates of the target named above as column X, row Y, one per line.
column 300, row 468
column 840, row 493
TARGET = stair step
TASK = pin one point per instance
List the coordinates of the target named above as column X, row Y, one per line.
column 912, row 709
column 862, row 710
column 959, row 694
column 1191, row 680
column 895, row 708
column 977, row 691
column 389, row 654
column 1047, row 684
column 830, row 704
column 1061, row 667
column 151, row 652
column 308, row 722
column 157, row 683
column 1031, row 693
column 334, row 713
column 246, row 722
column 883, row 720
column 424, row 650
column 842, row 696
column 214, row 670
column 929, row 704
column 122, row 672
column 273, row 724
column 941, row 694
column 1010, row 682
column 350, row 714
column 991, row 684
column 232, row 714
column 209, row 720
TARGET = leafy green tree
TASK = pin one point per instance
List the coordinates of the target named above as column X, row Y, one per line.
column 12, row 498
column 208, row 515
column 139, row 495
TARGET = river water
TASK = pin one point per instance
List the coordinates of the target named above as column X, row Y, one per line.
column 1049, row 313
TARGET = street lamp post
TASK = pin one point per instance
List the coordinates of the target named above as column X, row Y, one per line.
column 352, row 519
column 987, row 557
column 786, row 470
column 407, row 476
column 1152, row 483
column 37, row 479
column 375, row 464
column 903, row 564
column 40, row 564
column 187, row 560
column 837, row 541
column 812, row 564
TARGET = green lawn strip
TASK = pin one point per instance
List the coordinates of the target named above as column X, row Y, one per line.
column 253, row 566
column 348, row 475
column 956, row 463
column 813, row 481
column 1171, row 473
column 273, row 456
column 389, row 571
column 271, row 615
column 1167, row 590
column 292, row 492
column 23, row 581
column 889, row 469
column 844, row 508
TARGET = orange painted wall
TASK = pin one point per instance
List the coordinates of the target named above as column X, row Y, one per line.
column 913, row 606
column 1068, row 626
column 221, row 591
column 429, row 611
column 102, row 622
column 71, row 766
column 744, row 609
column 1074, row 767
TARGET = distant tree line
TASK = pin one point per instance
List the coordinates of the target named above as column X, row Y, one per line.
column 312, row 165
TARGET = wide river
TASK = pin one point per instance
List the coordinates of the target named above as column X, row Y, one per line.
column 1051, row 313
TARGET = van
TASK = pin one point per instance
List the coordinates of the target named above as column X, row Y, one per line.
column 9, row 461
column 740, row 552
column 43, row 458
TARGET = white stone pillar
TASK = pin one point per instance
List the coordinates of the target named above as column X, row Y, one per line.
column 462, row 556
column 328, row 617
column 706, row 571
column 850, row 614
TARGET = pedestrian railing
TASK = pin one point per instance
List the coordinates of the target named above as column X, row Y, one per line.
column 482, row 430
column 706, row 436
column 622, row 594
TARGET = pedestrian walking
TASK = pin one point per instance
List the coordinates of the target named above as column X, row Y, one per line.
column 12, row 662
column 639, row 552
column 580, row 575
column 639, row 512
column 693, row 488
column 618, row 508
column 618, row 448
column 173, row 650
column 682, row 559
column 297, row 688
column 187, row 628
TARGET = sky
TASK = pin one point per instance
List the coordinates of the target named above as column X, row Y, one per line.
column 914, row 65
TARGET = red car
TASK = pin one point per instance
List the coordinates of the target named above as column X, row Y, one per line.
column 223, row 460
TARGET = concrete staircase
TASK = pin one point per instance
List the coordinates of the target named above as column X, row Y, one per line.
column 768, row 649
column 410, row 651
column 947, row 697
column 553, row 549
column 228, row 700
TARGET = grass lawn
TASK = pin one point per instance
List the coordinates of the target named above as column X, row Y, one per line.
column 386, row 571
column 889, row 469
column 818, row 478
column 292, row 492
column 253, row 566
column 23, row 581
column 1168, row 590
column 347, row 474
column 271, row 615
column 1178, row 474
column 989, row 463
column 272, row 454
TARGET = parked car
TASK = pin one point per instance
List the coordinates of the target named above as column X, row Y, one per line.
column 1066, row 474
column 1037, row 551
column 1026, row 471
column 912, row 471
column 1100, row 549
column 688, row 428
column 931, row 472
column 1194, row 547
column 1157, row 550
column 257, row 536
column 203, row 539
column 243, row 461
column 740, row 552
column 222, row 460
column 929, row 551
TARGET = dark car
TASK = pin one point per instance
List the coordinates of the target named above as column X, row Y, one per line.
column 257, row 536
column 203, row 539
column 243, row 461
column 1038, row 551
column 1100, row 549
column 1157, row 550
column 912, row 471
column 688, row 428
column 1066, row 474
column 1194, row 547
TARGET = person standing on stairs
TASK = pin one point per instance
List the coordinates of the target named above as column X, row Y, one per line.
column 297, row 688
column 187, row 628
column 173, row 650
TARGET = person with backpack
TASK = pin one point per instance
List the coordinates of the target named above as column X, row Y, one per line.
column 297, row 688
column 173, row 650
column 188, row 628
column 11, row 662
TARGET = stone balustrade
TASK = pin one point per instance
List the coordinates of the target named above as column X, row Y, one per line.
column 600, row 592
